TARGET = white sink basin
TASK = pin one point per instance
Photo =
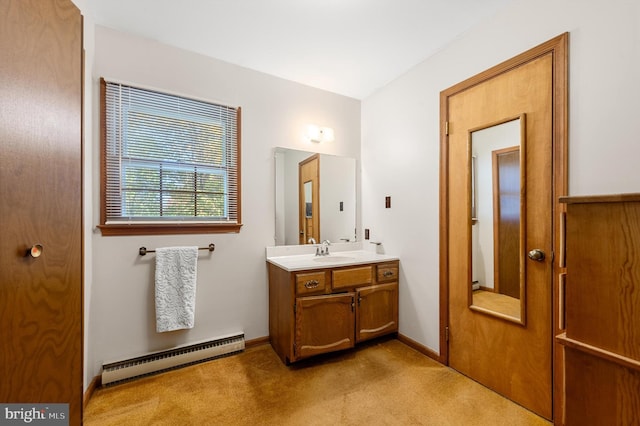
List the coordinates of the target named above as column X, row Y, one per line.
column 299, row 262
column 331, row 259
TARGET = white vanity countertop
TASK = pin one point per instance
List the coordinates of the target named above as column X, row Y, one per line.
column 298, row 262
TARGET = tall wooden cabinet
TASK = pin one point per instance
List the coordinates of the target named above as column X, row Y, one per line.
column 41, row 204
column 602, row 311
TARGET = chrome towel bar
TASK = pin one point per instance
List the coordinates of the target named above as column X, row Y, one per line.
column 143, row 250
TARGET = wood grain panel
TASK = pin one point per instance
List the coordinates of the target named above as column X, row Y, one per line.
column 324, row 323
column 351, row 277
column 599, row 392
column 603, row 275
column 281, row 317
column 377, row 311
column 41, row 193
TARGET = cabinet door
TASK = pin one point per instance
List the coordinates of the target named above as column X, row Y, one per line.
column 377, row 311
column 324, row 324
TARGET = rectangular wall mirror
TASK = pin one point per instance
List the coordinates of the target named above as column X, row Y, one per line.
column 497, row 219
column 336, row 205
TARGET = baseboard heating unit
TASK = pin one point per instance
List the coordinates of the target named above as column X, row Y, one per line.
column 157, row 362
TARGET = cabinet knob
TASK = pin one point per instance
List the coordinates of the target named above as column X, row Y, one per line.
column 387, row 274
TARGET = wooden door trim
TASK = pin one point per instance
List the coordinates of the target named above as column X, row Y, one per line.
column 558, row 48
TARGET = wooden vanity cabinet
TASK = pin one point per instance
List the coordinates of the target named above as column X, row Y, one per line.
column 324, row 310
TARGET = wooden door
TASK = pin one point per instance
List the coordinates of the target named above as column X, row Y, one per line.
column 309, row 199
column 514, row 358
column 41, row 203
column 324, row 324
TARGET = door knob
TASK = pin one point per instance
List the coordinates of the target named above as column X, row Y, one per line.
column 537, row 255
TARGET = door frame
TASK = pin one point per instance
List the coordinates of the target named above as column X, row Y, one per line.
column 558, row 47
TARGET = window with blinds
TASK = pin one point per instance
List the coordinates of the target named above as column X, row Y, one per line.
column 168, row 162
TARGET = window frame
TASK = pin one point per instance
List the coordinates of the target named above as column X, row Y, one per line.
column 148, row 227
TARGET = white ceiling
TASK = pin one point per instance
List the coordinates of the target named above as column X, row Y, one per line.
column 350, row 47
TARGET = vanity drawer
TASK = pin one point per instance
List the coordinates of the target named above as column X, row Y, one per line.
column 387, row 272
column 351, row 277
column 311, row 282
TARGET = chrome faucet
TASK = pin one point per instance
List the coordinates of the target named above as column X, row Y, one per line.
column 324, row 250
column 312, row 241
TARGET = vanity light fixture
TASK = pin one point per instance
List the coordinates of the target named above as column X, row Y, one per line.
column 319, row 134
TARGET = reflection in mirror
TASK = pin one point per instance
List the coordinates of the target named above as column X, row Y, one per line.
column 308, row 200
column 497, row 219
column 307, row 215
column 336, row 204
column 309, row 207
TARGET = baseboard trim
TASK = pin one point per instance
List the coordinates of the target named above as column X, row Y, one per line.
column 256, row 342
column 419, row 347
column 95, row 384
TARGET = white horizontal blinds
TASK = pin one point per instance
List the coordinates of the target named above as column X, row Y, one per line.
column 169, row 158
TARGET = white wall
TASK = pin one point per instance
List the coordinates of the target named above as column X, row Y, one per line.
column 232, row 283
column 337, row 185
column 400, row 130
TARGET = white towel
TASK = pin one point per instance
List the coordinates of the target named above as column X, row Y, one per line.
column 175, row 287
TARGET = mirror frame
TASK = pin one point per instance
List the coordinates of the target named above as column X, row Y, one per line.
column 471, row 190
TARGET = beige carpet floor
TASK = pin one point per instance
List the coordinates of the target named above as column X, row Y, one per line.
column 382, row 383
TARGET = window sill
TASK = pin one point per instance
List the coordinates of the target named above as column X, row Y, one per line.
column 168, row 229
